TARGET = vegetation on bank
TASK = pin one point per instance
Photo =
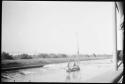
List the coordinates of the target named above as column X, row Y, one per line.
column 7, row 56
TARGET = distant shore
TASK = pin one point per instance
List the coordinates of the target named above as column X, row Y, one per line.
column 32, row 63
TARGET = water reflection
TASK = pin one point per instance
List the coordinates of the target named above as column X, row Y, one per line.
column 73, row 76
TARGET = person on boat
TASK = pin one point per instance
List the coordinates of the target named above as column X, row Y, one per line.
column 76, row 65
column 68, row 66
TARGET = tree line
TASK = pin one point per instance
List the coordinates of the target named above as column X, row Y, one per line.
column 6, row 55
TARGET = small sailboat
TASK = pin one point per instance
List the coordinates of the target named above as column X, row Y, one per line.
column 75, row 66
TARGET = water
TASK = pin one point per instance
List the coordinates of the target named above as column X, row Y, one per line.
column 57, row 72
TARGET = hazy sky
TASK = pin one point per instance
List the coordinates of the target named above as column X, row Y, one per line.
column 50, row 27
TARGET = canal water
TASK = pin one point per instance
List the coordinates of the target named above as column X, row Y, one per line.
column 57, row 72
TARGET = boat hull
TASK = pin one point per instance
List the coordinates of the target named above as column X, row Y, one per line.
column 73, row 69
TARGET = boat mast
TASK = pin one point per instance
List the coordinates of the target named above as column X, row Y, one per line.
column 77, row 46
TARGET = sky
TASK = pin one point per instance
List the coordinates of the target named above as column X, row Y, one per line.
column 50, row 27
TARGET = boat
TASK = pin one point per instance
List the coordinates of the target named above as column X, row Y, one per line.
column 75, row 66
